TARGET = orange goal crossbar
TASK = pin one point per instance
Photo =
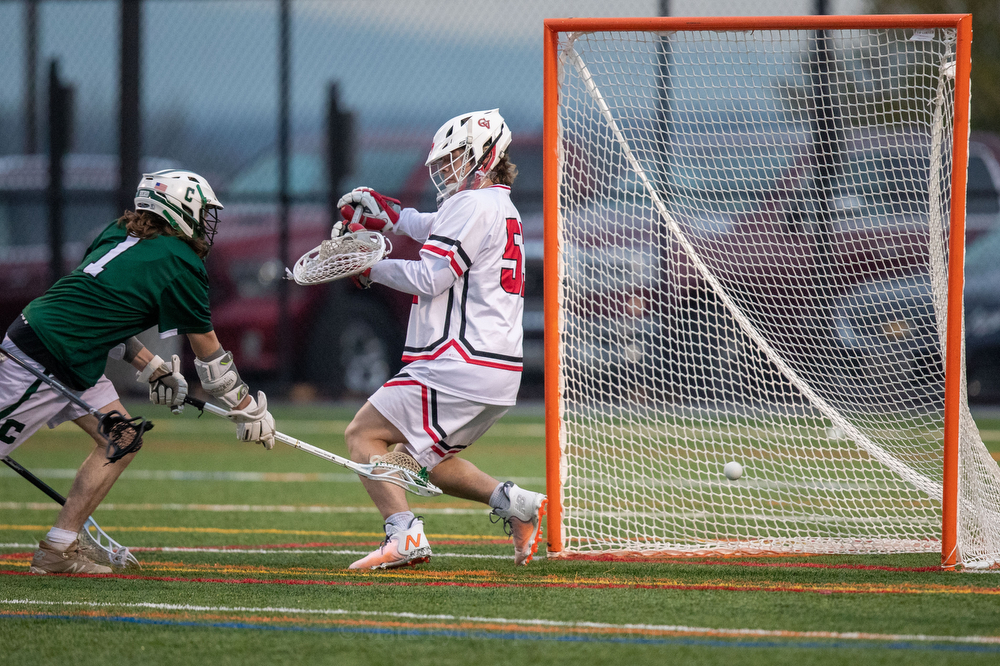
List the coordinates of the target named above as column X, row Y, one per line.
column 956, row 249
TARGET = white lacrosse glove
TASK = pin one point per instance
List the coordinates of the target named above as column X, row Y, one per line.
column 364, row 208
column 254, row 423
column 167, row 385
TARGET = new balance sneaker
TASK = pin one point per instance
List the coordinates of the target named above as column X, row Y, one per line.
column 404, row 548
column 522, row 520
column 49, row 560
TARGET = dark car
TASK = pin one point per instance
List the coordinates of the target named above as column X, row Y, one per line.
column 835, row 284
column 982, row 318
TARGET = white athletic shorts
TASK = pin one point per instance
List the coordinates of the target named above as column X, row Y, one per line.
column 436, row 425
column 27, row 403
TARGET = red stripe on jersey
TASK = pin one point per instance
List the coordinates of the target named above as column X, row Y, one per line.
column 441, row 454
column 427, row 414
column 452, row 344
column 449, row 255
column 416, row 299
column 425, row 407
column 435, row 249
column 402, row 382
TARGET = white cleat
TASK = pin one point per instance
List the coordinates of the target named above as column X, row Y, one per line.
column 405, row 548
column 522, row 521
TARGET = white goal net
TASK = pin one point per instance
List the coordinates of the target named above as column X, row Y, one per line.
column 753, row 235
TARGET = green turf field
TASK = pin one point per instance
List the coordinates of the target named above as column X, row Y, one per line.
column 245, row 551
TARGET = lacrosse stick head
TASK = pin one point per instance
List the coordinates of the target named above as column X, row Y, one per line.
column 124, row 436
column 405, row 472
column 101, row 548
column 341, row 257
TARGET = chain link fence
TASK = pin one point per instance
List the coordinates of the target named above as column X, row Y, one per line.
column 210, row 90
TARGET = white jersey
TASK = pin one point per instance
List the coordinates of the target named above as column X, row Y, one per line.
column 464, row 334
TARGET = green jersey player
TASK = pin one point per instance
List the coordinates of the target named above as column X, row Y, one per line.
column 145, row 269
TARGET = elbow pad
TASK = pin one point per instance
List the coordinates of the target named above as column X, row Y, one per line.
column 220, row 378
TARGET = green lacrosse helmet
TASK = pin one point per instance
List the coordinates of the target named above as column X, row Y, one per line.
column 183, row 198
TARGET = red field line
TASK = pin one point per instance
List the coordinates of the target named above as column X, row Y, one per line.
column 798, row 565
column 704, row 587
column 330, row 544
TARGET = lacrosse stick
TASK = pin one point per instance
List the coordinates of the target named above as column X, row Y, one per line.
column 340, row 257
column 124, row 436
column 395, row 467
column 100, row 547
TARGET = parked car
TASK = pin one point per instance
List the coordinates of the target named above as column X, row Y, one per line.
column 982, row 318
column 344, row 341
column 822, row 278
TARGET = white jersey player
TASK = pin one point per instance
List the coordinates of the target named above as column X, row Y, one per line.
column 463, row 343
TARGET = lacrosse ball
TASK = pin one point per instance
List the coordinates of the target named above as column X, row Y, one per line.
column 733, row 470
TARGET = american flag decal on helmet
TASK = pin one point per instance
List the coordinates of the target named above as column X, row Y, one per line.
column 160, row 187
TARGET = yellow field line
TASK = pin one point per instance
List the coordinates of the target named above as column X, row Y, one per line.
column 225, row 530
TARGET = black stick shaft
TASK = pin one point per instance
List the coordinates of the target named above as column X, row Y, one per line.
column 195, row 402
column 51, row 381
column 35, row 481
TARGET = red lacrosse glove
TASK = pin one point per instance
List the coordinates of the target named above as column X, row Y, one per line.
column 378, row 212
column 362, row 280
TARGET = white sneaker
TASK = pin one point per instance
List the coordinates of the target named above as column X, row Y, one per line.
column 405, row 548
column 523, row 520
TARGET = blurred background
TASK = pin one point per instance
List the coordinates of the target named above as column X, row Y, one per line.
column 285, row 104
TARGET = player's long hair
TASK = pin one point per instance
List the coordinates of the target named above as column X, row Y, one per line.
column 504, row 172
column 143, row 224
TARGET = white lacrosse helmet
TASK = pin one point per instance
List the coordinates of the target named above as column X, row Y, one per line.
column 183, row 198
column 483, row 135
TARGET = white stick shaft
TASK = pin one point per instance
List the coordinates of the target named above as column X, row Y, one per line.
column 316, row 451
column 302, row 446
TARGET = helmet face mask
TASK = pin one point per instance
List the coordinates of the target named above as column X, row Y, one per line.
column 465, row 150
column 450, row 174
column 182, row 198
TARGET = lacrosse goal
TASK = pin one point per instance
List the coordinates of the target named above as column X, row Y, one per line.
column 754, row 247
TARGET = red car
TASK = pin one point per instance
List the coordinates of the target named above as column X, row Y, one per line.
column 343, row 341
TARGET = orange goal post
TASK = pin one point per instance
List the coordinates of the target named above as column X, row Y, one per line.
column 754, row 251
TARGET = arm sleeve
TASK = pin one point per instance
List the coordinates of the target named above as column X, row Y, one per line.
column 414, row 224
column 449, row 249
column 429, row 276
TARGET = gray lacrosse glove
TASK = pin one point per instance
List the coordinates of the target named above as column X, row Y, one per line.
column 254, row 423
column 167, row 385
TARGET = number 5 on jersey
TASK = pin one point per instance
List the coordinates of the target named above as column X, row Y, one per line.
column 512, row 278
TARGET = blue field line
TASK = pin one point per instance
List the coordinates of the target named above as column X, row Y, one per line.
column 523, row 636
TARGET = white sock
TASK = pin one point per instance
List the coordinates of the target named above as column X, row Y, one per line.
column 500, row 499
column 398, row 522
column 60, row 539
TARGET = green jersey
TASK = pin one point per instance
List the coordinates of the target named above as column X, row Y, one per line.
column 123, row 286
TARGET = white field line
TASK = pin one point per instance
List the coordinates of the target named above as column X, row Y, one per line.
column 194, row 475
column 240, row 508
column 446, row 511
column 601, row 626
